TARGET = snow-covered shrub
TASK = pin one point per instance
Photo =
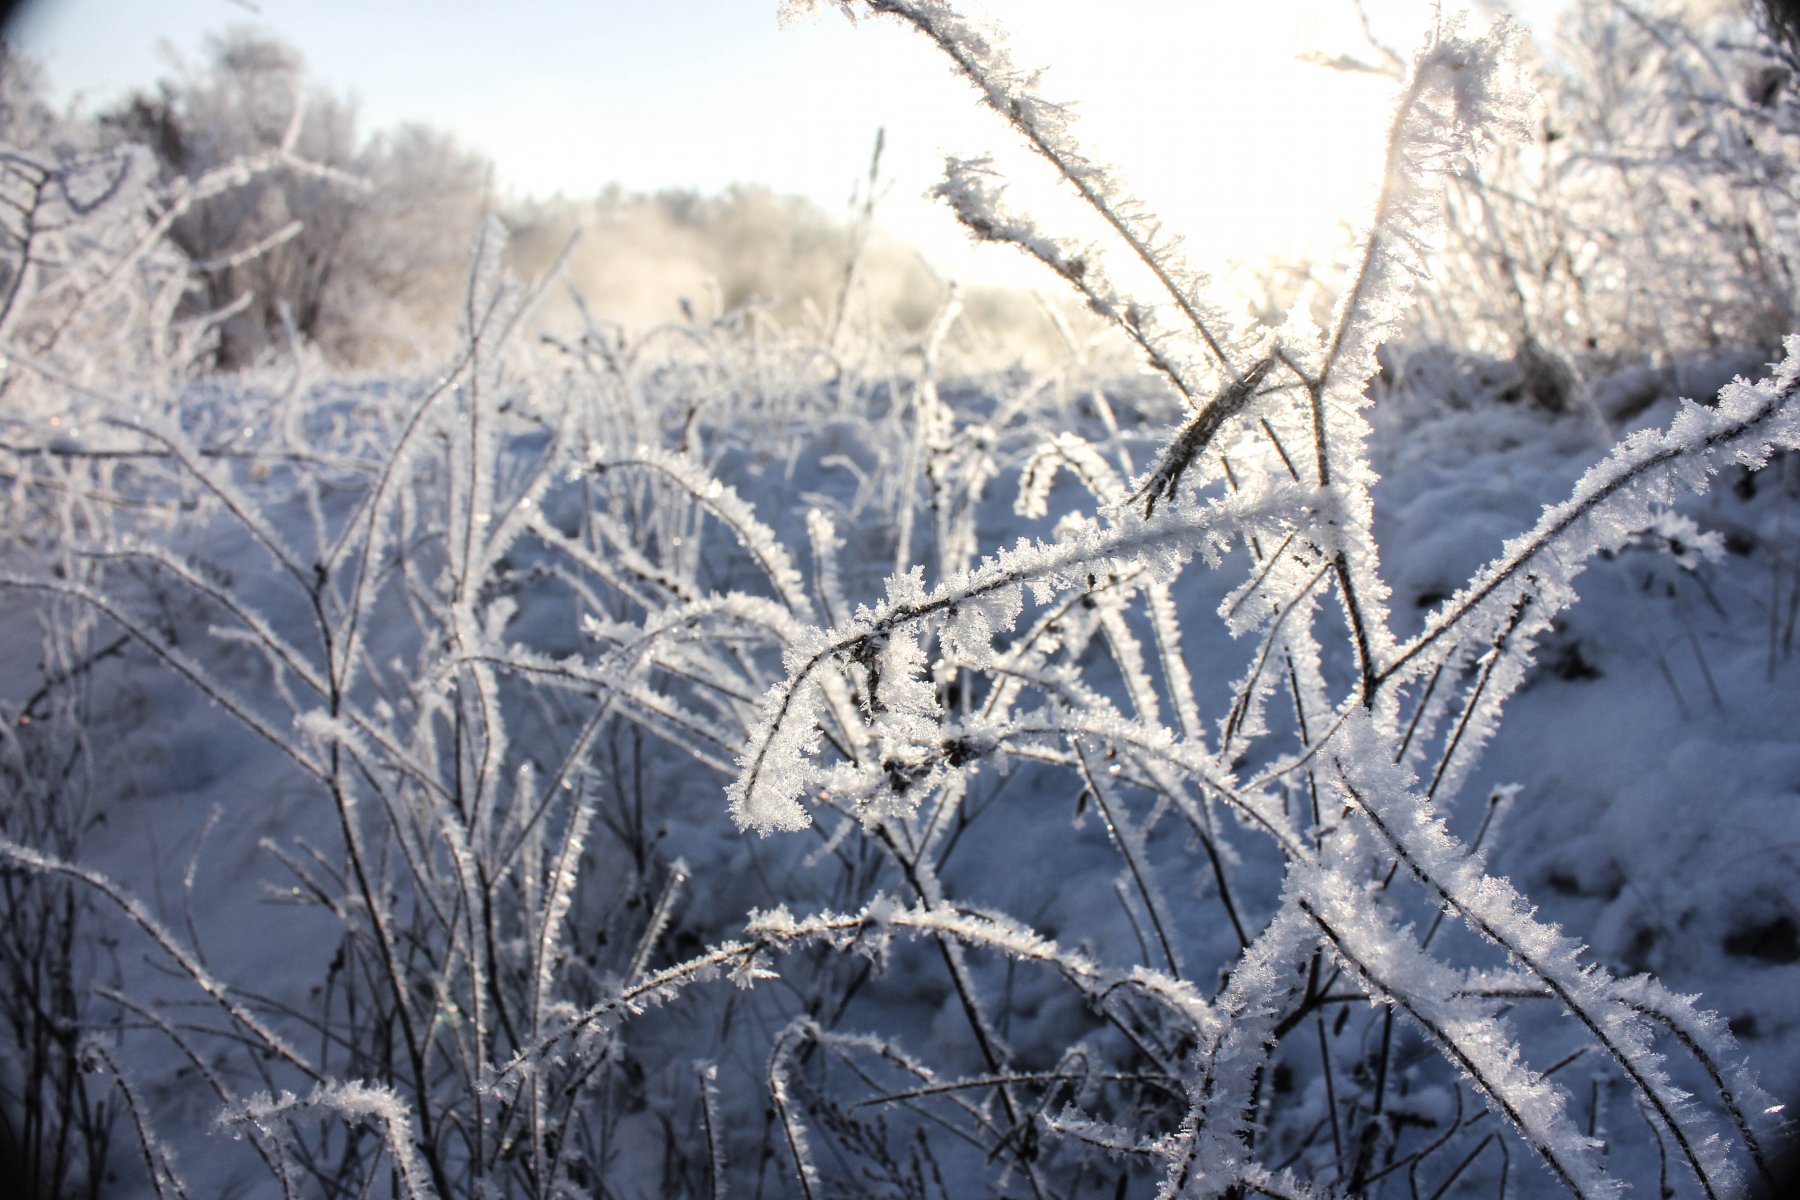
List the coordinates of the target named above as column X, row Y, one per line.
column 99, row 330
column 360, row 238
column 1652, row 214
column 489, row 642
column 889, row 716
column 91, row 283
column 387, row 594
column 55, row 1124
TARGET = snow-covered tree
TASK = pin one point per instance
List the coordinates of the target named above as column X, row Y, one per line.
column 355, row 238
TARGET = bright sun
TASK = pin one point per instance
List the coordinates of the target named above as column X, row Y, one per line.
column 1208, row 110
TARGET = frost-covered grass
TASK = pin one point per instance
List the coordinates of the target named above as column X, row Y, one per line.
column 686, row 765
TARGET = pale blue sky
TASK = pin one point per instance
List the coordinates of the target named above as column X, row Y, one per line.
column 573, row 94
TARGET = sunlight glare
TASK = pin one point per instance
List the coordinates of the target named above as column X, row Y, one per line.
column 1221, row 118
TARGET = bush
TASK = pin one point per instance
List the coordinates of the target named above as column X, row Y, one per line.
column 358, row 241
column 1649, row 217
column 641, row 260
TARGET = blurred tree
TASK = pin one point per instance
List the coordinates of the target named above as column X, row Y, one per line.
column 25, row 119
column 1782, row 20
column 360, row 243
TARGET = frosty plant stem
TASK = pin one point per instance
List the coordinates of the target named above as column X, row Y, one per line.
column 1044, row 127
column 1363, row 819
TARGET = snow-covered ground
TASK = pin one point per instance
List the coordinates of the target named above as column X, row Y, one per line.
column 1640, row 789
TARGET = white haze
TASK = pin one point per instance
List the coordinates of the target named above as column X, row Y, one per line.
column 1207, row 107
